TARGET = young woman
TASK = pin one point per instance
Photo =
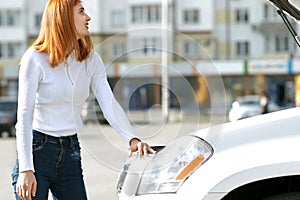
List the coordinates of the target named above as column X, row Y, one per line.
column 56, row 74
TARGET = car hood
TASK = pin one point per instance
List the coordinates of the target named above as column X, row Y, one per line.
column 274, row 125
column 222, row 137
column 291, row 7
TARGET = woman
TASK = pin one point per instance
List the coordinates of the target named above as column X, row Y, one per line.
column 56, row 74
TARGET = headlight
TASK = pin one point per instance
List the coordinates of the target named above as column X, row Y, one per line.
column 235, row 105
column 174, row 164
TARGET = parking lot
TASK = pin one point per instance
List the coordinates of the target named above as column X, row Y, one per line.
column 103, row 154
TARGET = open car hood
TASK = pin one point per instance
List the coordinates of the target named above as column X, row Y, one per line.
column 291, row 7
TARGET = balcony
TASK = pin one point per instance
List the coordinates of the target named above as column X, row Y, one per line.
column 271, row 26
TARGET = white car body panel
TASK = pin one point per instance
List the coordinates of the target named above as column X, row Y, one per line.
column 245, row 151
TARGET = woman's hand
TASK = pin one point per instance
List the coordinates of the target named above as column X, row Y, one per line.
column 141, row 147
column 26, row 185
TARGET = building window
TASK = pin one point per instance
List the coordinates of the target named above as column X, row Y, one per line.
column 241, row 16
column 10, row 50
column 118, row 19
column 191, row 49
column 119, row 50
column 10, row 17
column 146, row 14
column 154, row 14
column 149, row 46
column 134, row 14
column 191, row 16
column 13, row 50
column 270, row 12
column 267, row 44
column 12, row 88
column 242, row 48
column 1, row 50
column 37, row 20
column 281, row 43
column 13, row 18
column 1, row 18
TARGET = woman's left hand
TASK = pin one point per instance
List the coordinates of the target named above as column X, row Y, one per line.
column 137, row 145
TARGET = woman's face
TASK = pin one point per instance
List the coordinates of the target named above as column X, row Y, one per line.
column 81, row 20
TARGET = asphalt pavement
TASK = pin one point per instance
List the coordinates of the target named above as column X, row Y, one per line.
column 103, row 153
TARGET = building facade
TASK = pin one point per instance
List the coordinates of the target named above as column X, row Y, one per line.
column 13, row 41
column 245, row 43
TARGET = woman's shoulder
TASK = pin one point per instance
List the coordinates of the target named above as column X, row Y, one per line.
column 33, row 56
column 95, row 63
column 94, row 56
column 95, row 59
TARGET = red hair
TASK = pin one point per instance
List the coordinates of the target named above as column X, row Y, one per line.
column 58, row 36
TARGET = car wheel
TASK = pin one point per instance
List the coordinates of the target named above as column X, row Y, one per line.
column 286, row 196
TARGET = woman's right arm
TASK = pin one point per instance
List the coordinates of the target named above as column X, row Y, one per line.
column 29, row 76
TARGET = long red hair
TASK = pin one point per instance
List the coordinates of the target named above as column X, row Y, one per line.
column 58, row 36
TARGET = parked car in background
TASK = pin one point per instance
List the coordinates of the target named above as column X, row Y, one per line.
column 91, row 112
column 248, row 106
column 252, row 159
column 8, row 115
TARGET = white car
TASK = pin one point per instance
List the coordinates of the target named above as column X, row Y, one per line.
column 91, row 112
column 256, row 158
column 244, row 107
column 248, row 106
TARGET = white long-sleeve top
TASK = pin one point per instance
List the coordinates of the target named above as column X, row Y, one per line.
column 50, row 99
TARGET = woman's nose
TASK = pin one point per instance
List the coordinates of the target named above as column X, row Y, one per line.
column 88, row 18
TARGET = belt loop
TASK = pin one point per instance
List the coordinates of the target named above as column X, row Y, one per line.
column 71, row 141
column 61, row 141
column 45, row 138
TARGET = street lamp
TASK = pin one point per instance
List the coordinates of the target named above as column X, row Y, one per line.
column 164, row 60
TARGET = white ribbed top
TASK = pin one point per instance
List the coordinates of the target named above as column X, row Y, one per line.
column 50, row 99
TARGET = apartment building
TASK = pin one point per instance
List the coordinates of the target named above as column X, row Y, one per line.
column 245, row 41
column 13, row 41
column 253, row 34
column 251, row 29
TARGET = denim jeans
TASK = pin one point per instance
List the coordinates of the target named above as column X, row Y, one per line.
column 57, row 164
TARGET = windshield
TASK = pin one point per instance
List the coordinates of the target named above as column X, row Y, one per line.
column 249, row 102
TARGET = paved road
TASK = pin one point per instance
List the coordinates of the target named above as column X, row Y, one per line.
column 103, row 153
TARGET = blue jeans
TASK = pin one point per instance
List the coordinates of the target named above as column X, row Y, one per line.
column 57, row 163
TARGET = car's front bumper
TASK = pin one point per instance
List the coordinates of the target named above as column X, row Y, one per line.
column 211, row 196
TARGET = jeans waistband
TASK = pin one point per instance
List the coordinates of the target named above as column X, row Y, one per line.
column 56, row 140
